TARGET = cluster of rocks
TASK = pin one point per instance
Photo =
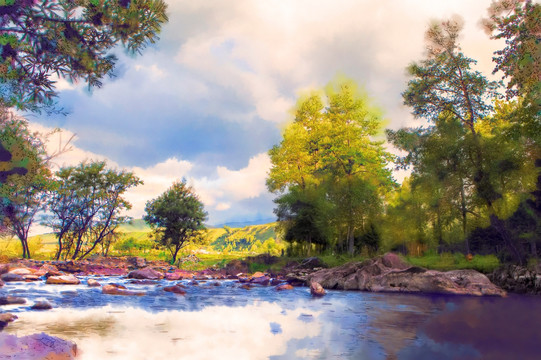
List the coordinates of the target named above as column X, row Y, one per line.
column 518, row 279
column 389, row 273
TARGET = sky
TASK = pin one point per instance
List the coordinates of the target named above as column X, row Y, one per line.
column 211, row 97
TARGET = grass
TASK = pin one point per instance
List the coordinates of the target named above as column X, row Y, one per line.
column 447, row 261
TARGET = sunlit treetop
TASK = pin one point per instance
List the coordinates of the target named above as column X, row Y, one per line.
column 70, row 39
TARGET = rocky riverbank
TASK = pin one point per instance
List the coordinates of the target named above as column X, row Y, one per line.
column 389, row 273
column 518, row 279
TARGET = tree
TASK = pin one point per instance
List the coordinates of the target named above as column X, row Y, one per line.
column 329, row 170
column 519, row 24
column 465, row 149
column 177, row 216
column 86, row 205
column 25, row 177
column 70, row 39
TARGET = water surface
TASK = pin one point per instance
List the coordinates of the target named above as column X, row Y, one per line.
column 227, row 322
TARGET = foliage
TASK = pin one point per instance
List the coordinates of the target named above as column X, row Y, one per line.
column 25, row 176
column 329, row 171
column 177, row 216
column 85, row 206
column 467, row 171
column 70, row 39
column 519, row 24
column 447, row 261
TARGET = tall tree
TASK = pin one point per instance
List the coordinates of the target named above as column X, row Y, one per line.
column 330, row 152
column 177, row 216
column 26, row 177
column 87, row 205
column 70, row 39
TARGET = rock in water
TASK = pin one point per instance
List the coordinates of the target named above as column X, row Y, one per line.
column 93, row 283
column 63, row 280
column 146, row 273
column 316, row 289
column 284, row 287
column 176, row 289
column 9, row 277
column 389, row 273
column 12, row 300
column 5, row 319
column 115, row 289
column 41, row 305
column 36, row 346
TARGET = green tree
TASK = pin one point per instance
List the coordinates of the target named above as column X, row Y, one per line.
column 70, row 39
column 329, row 171
column 86, row 205
column 26, row 178
column 178, row 217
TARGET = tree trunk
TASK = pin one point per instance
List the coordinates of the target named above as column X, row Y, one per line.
column 464, row 216
column 351, row 240
column 500, row 226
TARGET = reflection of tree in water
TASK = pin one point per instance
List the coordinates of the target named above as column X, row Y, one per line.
column 498, row 328
column 396, row 323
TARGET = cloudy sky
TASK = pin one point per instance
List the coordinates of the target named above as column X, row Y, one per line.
column 209, row 100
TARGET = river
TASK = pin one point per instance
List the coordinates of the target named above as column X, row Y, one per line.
column 227, row 322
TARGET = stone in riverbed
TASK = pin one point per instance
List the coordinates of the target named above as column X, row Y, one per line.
column 5, row 319
column 1, row 283
column 4, row 268
column 12, row 300
column 21, row 271
column 247, row 287
column 9, row 277
column 48, row 270
column 176, row 289
column 93, row 283
column 284, row 287
column 316, row 289
column 36, row 346
column 41, row 305
column 146, row 273
column 63, row 280
column 261, row 280
column 116, row 289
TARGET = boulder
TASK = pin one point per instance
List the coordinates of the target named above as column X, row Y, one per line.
column 176, row 289
column 48, row 270
column 30, row 277
column 518, row 279
column 389, row 273
column 284, row 287
column 1, row 283
column 246, row 286
column 257, row 274
column 93, row 283
column 41, row 305
column 36, row 346
column 71, row 266
column 137, row 262
column 116, row 289
column 275, row 282
column 12, row 300
column 316, row 289
column 5, row 319
column 146, row 273
column 63, row 280
column 4, row 268
column 21, row 271
column 9, row 277
column 262, row 280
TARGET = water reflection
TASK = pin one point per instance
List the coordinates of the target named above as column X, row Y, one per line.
column 226, row 322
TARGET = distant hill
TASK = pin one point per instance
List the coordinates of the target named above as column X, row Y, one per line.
column 241, row 224
column 136, row 225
